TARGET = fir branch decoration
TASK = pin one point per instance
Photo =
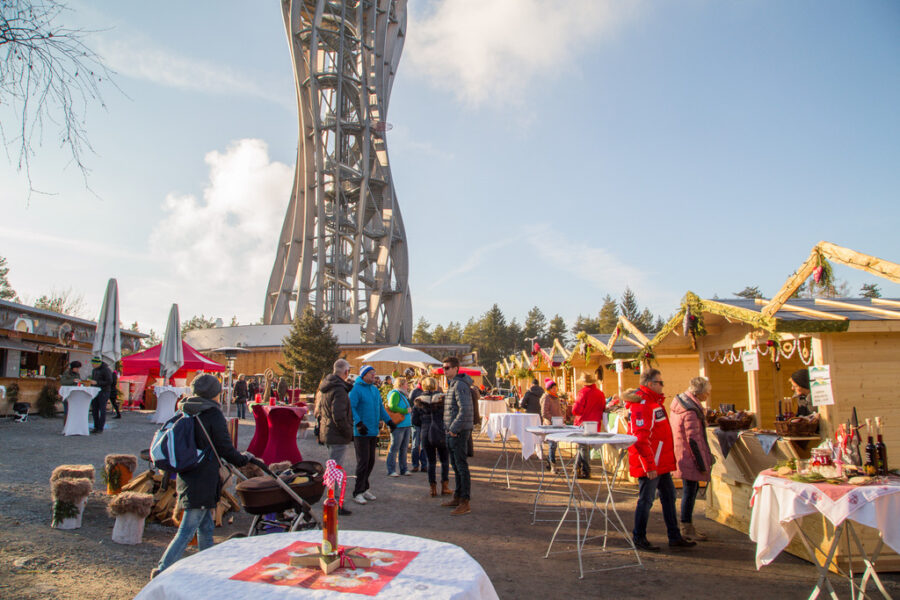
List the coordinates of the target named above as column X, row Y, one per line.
column 63, row 510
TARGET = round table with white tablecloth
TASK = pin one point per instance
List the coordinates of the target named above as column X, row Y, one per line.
column 166, row 397
column 79, row 399
column 259, row 567
column 488, row 407
column 517, row 424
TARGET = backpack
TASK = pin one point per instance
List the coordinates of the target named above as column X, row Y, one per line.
column 174, row 447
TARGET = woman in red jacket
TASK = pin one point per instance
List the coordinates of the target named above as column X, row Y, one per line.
column 589, row 406
column 692, row 453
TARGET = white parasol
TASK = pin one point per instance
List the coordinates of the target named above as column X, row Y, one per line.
column 171, row 354
column 107, row 338
column 400, row 354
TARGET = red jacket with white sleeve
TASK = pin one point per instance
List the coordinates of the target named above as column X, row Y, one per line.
column 654, row 449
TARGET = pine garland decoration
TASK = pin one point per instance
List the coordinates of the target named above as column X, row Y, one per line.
column 63, row 510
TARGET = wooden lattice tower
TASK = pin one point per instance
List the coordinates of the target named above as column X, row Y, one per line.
column 342, row 248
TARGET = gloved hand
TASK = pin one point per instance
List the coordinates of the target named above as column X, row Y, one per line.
column 361, row 429
column 253, row 460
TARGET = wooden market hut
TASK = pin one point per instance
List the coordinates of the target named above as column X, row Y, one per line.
column 859, row 339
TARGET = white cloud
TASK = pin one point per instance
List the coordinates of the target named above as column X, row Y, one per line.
column 139, row 58
column 482, row 50
column 221, row 246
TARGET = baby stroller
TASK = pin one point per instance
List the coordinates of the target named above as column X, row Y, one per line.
column 283, row 502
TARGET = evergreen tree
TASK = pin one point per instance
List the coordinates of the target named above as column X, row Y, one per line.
column 645, row 321
column 749, row 292
column 660, row 323
column 6, row 290
column 439, row 335
column 869, row 290
column 608, row 317
column 586, row 324
column 535, row 326
column 196, row 322
column 454, row 333
column 422, row 335
column 310, row 347
column 628, row 306
column 515, row 336
column 557, row 330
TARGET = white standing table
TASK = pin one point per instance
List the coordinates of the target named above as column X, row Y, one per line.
column 79, row 400
column 580, row 500
column 488, row 407
column 540, row 432
column 517, row 424
column 440, row 571
column 779, row 504
column 166, row 397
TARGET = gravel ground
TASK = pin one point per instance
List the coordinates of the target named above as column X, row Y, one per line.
column 39, row 562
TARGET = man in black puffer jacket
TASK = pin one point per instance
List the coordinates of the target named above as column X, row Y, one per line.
column 199, row 489
column 531, row 401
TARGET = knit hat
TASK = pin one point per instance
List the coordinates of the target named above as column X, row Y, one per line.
column 75, row 364
column 96, row 360
column 549, row 383
column 366, row 369
column 801, row 378
column 206, row 386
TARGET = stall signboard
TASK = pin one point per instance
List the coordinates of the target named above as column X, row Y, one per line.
column 620, row 368
column 820, row 385
column 750, row 359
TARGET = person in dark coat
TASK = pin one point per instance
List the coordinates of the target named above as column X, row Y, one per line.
column 241, row 396
column 428, row 416
column 114, row 393
column 200, row 488
column 334, row 415
column 531, row 401
column 103, row 379
column 71, row 376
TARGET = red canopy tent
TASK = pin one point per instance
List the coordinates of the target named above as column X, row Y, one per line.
column 147, row 362
column 463, row 370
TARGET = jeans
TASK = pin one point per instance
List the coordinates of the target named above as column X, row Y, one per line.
column 552, row 446
column 444, row 455
column 688, row 496
column 336, row 453
column 98, row 410
column 646, row 494
column 366, row 447
column 241, row 409
column 457, row 447
column 419, row 458
column 194, row 520
column 583, row 460
column 399, row 442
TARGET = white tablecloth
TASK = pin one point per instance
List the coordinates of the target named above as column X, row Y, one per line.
column 488, row 407
column 439, row 571
column 777, row 502
column 616, row 440
column 166, row 396
column 79, row 399
column 503, row 424
column 542, row 431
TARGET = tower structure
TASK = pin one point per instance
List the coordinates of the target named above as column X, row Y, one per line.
column 342, row 248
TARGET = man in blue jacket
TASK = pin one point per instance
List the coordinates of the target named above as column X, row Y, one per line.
column 368, row 410
column 459, row 419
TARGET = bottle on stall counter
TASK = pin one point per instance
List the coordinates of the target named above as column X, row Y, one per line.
column 871, row 452
column 881, row 460
column 330, row 523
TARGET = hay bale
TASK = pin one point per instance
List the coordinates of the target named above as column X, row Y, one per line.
column 130, row 503
column 71, row 491
column 73, row 472
column 129, row 461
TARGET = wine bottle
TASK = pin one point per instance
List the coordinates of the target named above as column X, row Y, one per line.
column 330, row 524
column 871, row 452
column 880, row 449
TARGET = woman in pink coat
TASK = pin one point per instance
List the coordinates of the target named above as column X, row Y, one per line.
column 692, row 454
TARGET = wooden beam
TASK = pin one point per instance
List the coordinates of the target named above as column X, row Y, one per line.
column 634, row 331
column 813, row 312
column 792, row 284
column 892, row 314
column 633, row 342
column 885, row 302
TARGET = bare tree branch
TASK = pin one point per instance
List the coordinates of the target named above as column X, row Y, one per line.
column 48, row 77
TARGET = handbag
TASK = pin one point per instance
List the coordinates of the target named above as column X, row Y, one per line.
column 395, row 416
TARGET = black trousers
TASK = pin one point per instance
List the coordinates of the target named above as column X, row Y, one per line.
column 366, row 449
column 98, row 410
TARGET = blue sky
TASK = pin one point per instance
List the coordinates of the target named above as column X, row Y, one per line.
column 544, row 153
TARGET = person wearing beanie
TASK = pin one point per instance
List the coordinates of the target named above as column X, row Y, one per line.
column 200, row 488
column 368, row 412
column 103, row 379
column 551, row 406
column 800, row 385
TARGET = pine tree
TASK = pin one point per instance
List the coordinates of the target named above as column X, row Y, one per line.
column 453, row 333
column 535, row 326
column 749, row 292
column 645, row 321
column 196, row 322
column 422, row 335
column 586, row 324
column 439, row 335
column 515, row 335
column 608, row 316
column 869, row 290
column 557, row 330
column 6, row 290
column 628, row 306
column 310, row 348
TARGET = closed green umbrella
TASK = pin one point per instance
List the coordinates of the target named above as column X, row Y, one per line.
column 171, row 353
column 107, row 337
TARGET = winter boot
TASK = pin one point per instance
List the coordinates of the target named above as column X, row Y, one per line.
column 433, row 490
column 452, row 503
column 462, row 509
column 688, row 531
column 445, row 489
